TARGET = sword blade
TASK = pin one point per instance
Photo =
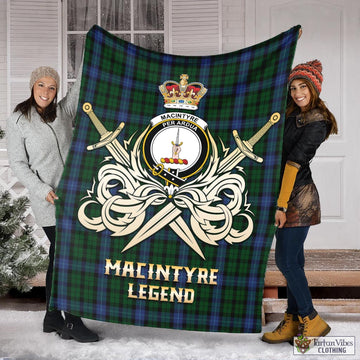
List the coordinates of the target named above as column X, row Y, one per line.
column 177, row 141
column 181, row 228
column 118, row 152
column 230, row 162
column 164, row 217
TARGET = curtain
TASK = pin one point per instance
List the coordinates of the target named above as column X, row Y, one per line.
column 148, row 15
column 81, row 15
column 115, row 15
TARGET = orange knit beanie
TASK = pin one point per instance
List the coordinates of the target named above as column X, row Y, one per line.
column 311, row 71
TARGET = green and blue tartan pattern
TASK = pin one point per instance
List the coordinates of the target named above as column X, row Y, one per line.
column 121, row 82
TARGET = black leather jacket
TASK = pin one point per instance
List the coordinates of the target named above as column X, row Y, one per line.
column 302, row 136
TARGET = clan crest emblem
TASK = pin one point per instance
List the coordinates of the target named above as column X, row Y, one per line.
column 174, row 165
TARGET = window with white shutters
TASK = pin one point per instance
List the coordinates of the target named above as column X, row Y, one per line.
column 33, row 41
column 52, row 32
column 195, row 27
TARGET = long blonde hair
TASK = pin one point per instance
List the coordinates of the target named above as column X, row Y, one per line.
column 315, row 102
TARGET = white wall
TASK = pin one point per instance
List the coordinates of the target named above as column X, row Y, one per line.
column 331, row 31
column 233, row 25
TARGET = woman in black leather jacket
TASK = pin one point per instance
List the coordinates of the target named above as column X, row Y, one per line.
column 308, row 124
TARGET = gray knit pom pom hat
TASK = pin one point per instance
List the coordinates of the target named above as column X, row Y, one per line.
column 44, row 71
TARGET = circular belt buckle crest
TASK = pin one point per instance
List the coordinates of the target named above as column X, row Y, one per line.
column 176, row 146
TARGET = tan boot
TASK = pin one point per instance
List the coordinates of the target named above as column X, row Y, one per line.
column 313, row 326
column 285, row 331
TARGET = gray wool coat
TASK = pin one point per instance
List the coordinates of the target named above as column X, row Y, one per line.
column 37, row 152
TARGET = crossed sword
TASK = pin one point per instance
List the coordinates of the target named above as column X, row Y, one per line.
column 170, row 214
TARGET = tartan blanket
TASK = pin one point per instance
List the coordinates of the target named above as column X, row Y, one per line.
column 166, row 204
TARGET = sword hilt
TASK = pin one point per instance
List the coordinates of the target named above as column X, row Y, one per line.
column 87, row 108
column 246, row 147
column 105, row 140
column 275, row 117
column 106, row 136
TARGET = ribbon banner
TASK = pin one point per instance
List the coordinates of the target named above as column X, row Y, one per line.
column 166, row 204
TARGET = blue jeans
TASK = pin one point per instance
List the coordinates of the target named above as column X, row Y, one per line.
column 289, row 256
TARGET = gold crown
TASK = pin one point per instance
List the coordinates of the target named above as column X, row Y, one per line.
column 182, row 95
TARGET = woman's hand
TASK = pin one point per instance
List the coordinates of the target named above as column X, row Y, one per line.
column 280, row 219
column 51, row 197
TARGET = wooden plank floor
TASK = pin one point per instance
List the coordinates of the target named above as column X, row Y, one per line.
column 323, row 268
column 273, row 306
column 327, row 260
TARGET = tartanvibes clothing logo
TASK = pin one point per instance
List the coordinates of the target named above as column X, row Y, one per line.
column 175, row 148
column 329, row 345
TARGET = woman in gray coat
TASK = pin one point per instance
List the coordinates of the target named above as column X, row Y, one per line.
column 39, row 134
